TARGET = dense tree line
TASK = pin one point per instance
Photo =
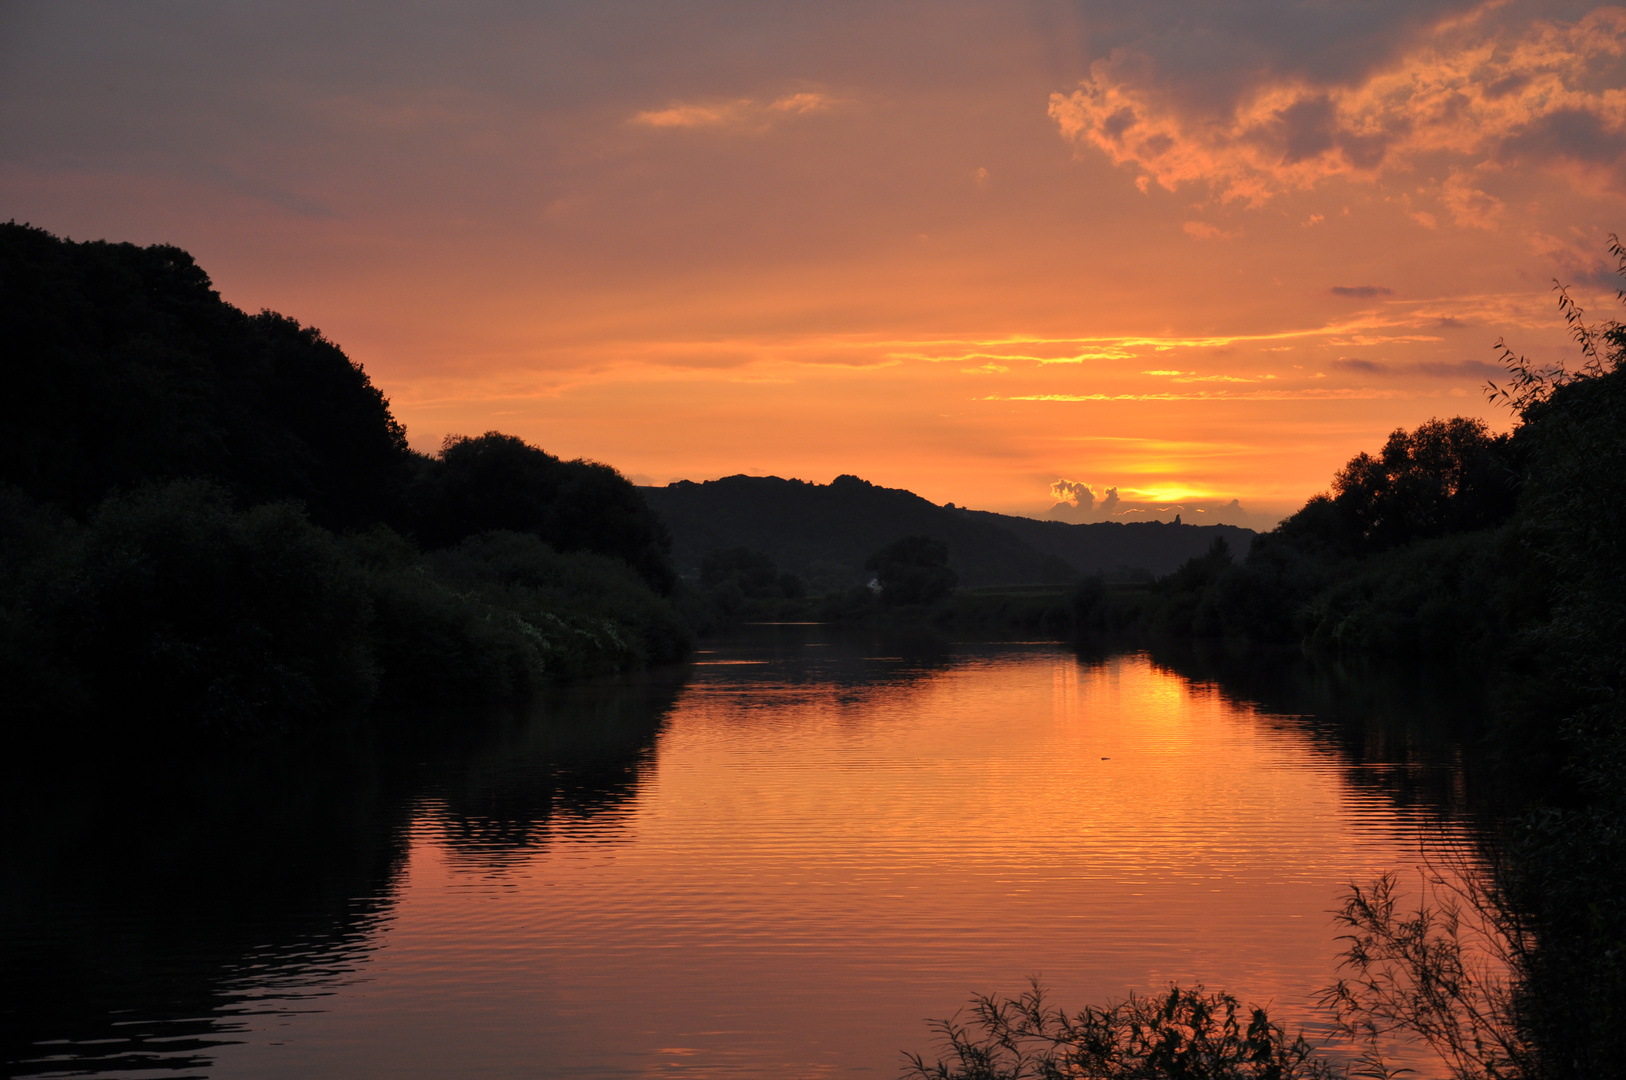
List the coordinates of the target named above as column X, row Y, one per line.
column 210, row 521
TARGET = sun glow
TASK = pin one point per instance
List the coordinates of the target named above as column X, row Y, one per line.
column 823, row 258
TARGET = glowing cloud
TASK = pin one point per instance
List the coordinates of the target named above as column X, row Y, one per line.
column 1202, row 230
column 1476, row 93
column 739, row 113
column 1073, row 493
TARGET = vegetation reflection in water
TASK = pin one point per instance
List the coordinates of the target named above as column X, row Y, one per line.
column 777, row 868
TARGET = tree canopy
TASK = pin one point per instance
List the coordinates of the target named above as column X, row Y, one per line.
column 913, row 570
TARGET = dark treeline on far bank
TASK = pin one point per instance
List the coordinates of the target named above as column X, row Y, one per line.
column 210, row 523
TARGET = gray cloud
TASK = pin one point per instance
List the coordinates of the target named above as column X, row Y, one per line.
column 1574, row 135
column 1353, row 364
column 1455, row 369
column 1461, row 369
column 1257, row 99
column 1209, row 56
column 1362, row 292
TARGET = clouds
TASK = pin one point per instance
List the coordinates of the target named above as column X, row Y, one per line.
column 743, row 113
column 1073, row 493
column 1077, row 504
column 1202, row 230
column 1474, row 93
column 1471, row 370
column 843, row 237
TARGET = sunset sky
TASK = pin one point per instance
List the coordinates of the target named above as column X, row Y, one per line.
column 986, row 252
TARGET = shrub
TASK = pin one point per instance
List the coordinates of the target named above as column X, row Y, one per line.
column 172, row 613
column 1183, row 1035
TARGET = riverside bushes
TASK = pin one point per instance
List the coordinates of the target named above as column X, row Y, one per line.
column 210, row 523
column 170, row 613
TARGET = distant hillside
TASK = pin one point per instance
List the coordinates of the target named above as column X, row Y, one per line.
column 1107, row 545
column 824, row 532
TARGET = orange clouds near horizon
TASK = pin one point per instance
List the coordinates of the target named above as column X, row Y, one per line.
column 1193, row 256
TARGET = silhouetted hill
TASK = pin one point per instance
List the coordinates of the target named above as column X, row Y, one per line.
column 1106, row 545
column 824, row 532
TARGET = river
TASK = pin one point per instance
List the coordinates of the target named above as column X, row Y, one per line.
column 781, row 861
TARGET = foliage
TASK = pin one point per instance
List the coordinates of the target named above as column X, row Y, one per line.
column 1446, row 973
column 1460, row 590
column 1181, row 609
column 913, row 570
column 614, row 618
column 1447, row 476
column 1187, row 1034
column 170, row 605
column 209, row 523
column 172, row 613
column 499, row 482
column 125, row 367
column 1569, row 855
column 732, row 577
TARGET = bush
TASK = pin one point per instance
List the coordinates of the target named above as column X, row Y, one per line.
column 171, row 613
column 594, row 614
column 1183, row 1035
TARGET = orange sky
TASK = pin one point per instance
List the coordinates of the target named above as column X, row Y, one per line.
column 967, row 249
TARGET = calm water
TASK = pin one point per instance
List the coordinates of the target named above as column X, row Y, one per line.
column 781, row 864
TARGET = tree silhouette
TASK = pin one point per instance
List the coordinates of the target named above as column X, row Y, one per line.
column 497, row 481
column 913, row 570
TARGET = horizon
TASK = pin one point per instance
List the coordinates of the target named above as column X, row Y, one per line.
column 1068, row 514
column 1009, row 259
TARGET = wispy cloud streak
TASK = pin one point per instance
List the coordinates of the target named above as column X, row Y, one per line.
column 740, row 113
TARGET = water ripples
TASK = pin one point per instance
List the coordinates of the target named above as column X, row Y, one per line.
column 825, row 845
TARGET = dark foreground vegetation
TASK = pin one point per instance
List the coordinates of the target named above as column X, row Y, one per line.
column 1505, row 554
column 212, row 526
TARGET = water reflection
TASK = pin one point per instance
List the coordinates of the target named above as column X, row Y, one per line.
column 781, row 865
column 1410, row 732
column 154, row 911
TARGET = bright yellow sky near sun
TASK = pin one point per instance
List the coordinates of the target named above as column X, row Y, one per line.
column 967, row 249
